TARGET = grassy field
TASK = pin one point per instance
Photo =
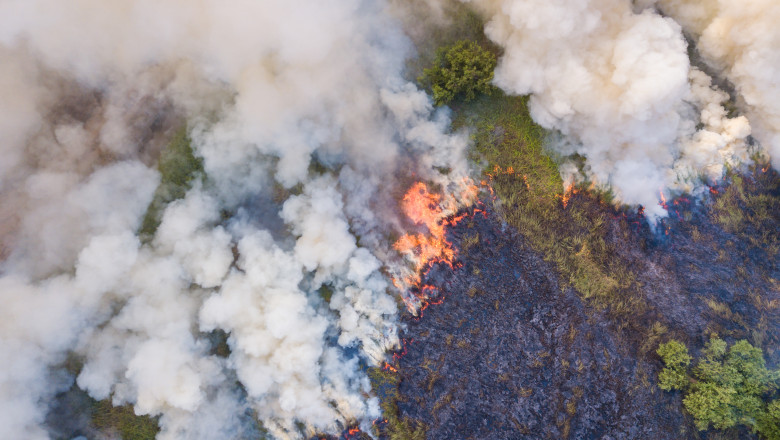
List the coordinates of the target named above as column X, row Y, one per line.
column 123, row 421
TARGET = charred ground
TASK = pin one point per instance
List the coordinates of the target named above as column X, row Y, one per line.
column 551, row 319
column 515, row 351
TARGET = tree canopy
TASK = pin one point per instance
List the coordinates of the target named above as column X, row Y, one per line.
column 460, row 72
column 729, row 386
column 676, row 358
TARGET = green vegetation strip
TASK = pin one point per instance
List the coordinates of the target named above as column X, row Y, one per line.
column 529, row 191
column 385, row 383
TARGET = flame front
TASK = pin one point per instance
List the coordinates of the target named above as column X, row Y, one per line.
column 424, row 249
column 424, row 208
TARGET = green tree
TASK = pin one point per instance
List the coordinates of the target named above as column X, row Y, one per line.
column 460, row 71
column 730, row 386
column 769, row 422
column 675, row 356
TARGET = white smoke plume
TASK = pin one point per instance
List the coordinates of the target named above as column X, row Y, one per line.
column 619, row 85
column 741, row 41
column 301, row 99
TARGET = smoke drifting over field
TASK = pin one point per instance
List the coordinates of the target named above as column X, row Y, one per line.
column 308, row 133
column 618, row 84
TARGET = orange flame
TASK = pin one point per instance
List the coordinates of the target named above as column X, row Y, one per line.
column 424, row 208
column 662, row 201
column 567, row 194
column 423, row 249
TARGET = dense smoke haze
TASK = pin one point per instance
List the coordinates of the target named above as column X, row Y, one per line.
column 310, row 131
column 617, row 82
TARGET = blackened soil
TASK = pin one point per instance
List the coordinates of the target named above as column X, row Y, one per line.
column 511, row 354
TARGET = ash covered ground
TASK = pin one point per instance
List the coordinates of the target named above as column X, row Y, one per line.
column 512, row 353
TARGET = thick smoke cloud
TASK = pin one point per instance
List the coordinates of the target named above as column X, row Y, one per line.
column 308, row 133
column 619, row 85
column 741, row 41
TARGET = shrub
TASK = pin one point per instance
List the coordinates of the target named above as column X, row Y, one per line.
column 768, row 424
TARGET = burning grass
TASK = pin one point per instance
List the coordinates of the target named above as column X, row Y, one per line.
column 434, row 212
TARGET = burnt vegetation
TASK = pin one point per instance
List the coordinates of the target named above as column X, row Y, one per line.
column 550, row 322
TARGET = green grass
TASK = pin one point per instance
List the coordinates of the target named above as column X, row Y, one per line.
column 506, row 137
column 178, row 167
column 124, row 421
column 529, row 193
